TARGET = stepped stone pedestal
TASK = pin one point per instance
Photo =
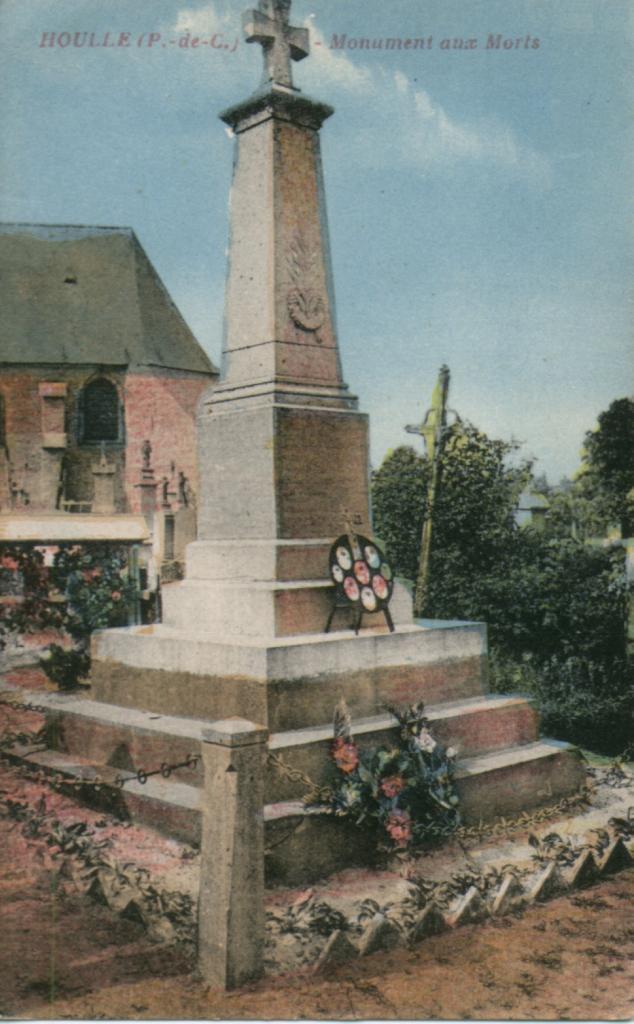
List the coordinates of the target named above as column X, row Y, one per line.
column 283, row 451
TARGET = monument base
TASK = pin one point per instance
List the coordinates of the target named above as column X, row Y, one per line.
column 154, row 689
column 287, row 682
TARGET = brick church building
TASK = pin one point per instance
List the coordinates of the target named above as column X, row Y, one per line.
column 99, row 383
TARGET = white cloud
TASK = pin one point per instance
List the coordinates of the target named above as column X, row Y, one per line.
column 325, row 66
column 203, row 20
column 434, row 138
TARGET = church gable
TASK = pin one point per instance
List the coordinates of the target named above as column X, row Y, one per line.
column 88, row 295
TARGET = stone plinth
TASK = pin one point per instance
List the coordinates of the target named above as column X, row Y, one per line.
column 288, row 682
column 263, row 609
column 271, row 472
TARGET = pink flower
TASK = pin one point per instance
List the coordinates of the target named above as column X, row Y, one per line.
column 393, row 785
column 116, row 595
column 399, row 828
column 345, row 755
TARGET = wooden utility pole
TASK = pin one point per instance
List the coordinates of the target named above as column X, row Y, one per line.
column 433, row 430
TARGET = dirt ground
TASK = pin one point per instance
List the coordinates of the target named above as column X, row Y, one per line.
column 62, row 955
column 65, row 956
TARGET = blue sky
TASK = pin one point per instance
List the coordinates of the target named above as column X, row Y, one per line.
column 479, row 200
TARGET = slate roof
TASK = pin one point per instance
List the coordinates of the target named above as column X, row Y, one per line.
column 78, row 294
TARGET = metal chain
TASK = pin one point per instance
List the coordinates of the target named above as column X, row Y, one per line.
column 21, row 706
column 315, row 794
column 165, row 771
column 9, row 739
column 505, row 826
column 56, row 779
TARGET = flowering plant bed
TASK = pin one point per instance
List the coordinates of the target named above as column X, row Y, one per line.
column 87, row 587
column 405, row 792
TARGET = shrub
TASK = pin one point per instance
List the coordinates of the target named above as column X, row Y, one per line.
column 97, row 593
column 556, row 607
column 585, row 702
column 66, row 668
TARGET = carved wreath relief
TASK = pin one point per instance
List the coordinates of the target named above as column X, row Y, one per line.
column 306, row 306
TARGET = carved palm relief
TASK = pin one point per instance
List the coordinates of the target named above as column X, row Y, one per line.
column 306, row 305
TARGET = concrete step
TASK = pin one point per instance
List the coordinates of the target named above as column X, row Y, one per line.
column 506, row 782
column 171, row 807
column 123, row 738
column 129, row 739
column 304, row 844
column 473, row 726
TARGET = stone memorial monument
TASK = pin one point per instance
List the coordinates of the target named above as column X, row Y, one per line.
column 283, row 450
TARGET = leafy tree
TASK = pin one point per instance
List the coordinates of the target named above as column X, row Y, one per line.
column 473, row 516
column 540, row 594
column 607, row 477
column 556, row 607
column 399, row 494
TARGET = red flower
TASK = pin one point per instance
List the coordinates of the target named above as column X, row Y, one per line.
column 345, row 755
column 393, row 785
column 90, row 574
column 116, row 595
column 399, row 827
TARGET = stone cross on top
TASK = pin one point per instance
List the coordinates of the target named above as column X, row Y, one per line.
column 281, row 42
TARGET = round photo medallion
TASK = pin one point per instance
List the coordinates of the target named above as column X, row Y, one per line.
column 362, row 572
column 351, row 588
column 344, row 557
column 337, row 573
column 372, row 556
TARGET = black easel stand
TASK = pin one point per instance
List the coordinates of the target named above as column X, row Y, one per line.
column 343, row 605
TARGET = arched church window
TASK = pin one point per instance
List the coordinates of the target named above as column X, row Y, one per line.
column 100, row 411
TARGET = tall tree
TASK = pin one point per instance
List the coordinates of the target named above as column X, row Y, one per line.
column 474, row 511
column 543, row 595
column 607, row 476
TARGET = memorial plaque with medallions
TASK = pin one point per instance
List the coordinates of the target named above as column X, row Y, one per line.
column 362, row 575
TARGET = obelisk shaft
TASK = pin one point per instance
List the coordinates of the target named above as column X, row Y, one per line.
column 282, row 447
column 279, row 312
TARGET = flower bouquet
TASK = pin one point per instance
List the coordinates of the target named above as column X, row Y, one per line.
column 405, row 792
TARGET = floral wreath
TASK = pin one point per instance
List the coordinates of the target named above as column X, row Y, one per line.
column 405, row 792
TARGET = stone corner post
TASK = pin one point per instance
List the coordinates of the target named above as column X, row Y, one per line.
column 231, row 900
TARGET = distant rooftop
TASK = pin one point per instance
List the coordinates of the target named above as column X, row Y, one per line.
column 529, row 501
column 84, row 294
